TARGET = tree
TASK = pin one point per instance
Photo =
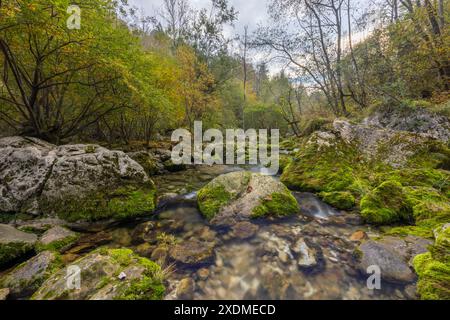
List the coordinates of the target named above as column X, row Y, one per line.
column 56, row 82
column 195, row 86
column 309, row 36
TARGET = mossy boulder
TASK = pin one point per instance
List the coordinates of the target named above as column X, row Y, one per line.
column 108, row 274
column 239, row 196
column 26, row 278
column 394, row 177
column 386, row 204
column 433, row 268
column 56, row 239
column 14, row 244
column 74, row 182
column 339, row 199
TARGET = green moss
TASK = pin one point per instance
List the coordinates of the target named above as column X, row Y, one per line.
column 124, row 257
column 433, row 268
column 284, row 162
column 277, row 204
column 441, row 248
column 211, row 199
column 418, row 177
column 57, row 245
column 340, row 199
column 143, row 289
column 129, row 201
column 428, row 203
column 434, row 278
column 313, row 171
column 149, row 287
column 12, row 251
column 386, row 204
column 417, row 230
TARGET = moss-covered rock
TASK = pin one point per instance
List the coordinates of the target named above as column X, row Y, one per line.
column 108, row 274
column 433, row 268
column 14, row 244
column 26, row 278
column 339, row 199
column 394, row 177
column 56, row 239
column 124, row 202
column 212, row 198
column 386, row 204
column 243, row 195
column 277, row 204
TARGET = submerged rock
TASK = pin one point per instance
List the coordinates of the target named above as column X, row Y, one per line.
column 393, row 267
column 25, row 279
column 307, row 257
column 239, row 196
column 358, row 236
column 73, row 182
column 185, row 289
column 193, row 252
column 392, row 255
column 14, row 243
column 99, row 280
column 244, row 230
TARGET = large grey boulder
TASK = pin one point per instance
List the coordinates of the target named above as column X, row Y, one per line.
column 25, row 279
column 391, row 147
column 393, row 256
column 24, row 167
column 14, row 243
column 419, row 120
column 240, row 196
column 74, row 182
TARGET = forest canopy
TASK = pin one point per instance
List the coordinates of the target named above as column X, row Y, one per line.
column 126, row 76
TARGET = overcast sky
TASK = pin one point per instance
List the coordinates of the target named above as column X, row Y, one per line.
column 251, row 12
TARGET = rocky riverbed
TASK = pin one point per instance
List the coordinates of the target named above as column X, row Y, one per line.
column 308, row 256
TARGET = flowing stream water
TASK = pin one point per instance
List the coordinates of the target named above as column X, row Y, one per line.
column 268, row 264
